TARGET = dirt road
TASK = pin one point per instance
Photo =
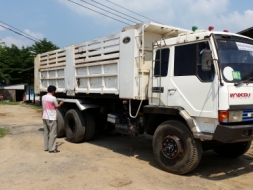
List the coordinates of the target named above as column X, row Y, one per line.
column 107, row 162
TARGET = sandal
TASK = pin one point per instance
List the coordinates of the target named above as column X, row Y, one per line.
column 54, row 151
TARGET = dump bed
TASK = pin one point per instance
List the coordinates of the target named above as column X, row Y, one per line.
column 119, row 64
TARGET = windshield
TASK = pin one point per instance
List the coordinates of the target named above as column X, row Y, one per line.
column 235, row 57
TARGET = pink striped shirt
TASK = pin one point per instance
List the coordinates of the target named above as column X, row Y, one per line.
column 49, row 104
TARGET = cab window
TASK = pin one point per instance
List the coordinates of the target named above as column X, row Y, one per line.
column 161, row 62
column 188, row 61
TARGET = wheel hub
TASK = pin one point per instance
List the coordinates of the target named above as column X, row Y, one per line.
column 172, row 148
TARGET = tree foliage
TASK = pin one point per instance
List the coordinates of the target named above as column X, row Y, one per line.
column 14, row 60
column 43, row 46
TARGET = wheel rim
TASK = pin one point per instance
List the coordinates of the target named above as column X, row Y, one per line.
column 172, row 148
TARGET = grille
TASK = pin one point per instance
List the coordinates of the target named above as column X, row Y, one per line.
column 246, row 116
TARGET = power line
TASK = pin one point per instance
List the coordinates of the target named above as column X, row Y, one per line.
column 116, row 11
column 19, row 31
column 107, row 11
column 98, row 12
column 131, row 11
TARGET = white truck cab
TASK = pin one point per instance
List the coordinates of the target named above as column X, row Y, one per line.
column 214, row 91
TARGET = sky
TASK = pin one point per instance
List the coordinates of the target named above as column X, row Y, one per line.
column 64, row 23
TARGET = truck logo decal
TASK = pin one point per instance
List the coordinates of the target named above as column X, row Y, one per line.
column 239, row 95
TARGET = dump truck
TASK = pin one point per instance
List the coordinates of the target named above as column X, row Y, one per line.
column 192, row 90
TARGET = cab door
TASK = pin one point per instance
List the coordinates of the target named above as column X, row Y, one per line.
column 188, row 85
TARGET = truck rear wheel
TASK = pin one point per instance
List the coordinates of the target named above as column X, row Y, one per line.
column 232, row 150
column 60, row 123
column 89, row 126
column 74, row 125
column 175, row 148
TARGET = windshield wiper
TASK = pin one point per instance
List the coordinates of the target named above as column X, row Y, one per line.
column 243, row 81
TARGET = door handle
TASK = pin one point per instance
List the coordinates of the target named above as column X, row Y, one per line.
column 172, row 91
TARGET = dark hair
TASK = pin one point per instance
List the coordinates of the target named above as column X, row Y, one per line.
column 51, row 88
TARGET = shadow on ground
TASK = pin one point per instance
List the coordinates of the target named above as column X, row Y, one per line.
column 211, row 167
column 214, row 167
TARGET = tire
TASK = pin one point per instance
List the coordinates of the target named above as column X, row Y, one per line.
column 175, row 148
column 232, row 150
column 60, row 123
column 74, row 125
column 89, row 126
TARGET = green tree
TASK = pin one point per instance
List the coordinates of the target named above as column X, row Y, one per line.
column 43, row 46
column 4, row 76
column 14, row 60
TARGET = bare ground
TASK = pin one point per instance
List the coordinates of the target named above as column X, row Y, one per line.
column 107, row 162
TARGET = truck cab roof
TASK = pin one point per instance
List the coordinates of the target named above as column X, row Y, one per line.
column 164, row 30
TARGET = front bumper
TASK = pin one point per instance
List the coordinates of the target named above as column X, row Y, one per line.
column 233, row 133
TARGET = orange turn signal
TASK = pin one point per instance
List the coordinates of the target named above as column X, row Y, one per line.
column 223, row 116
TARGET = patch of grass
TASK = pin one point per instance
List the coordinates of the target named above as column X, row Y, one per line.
column 30, row 105
column 9, row 103
column 38, row 108
column 3, row 132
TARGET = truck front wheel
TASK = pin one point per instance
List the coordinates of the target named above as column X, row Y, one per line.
column 175, row 148
column 232, row 150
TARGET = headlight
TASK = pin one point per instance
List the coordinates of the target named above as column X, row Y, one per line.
column 230, row 116
column 235, row 116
